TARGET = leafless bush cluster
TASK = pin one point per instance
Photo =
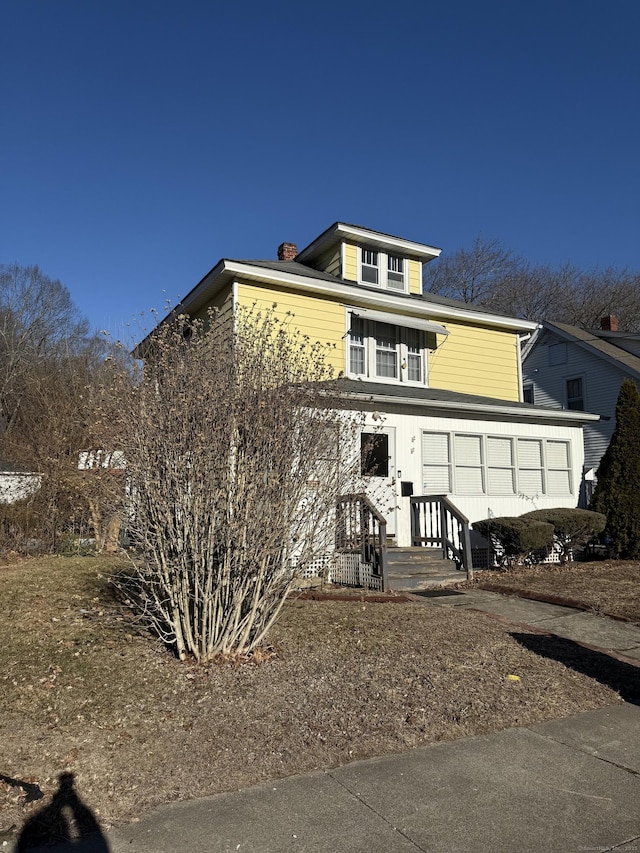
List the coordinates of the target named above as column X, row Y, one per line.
column 236, row 448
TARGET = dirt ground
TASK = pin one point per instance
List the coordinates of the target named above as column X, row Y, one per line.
column 86, row 690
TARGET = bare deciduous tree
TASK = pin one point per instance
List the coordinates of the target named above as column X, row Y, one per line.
column 238, row 451
column 492, row 276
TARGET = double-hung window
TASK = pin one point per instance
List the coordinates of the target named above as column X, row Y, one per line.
column 395, row 272
column 575, row 394
column 369, row 266
column 382, row 269
column 357, row 348
column 386, row 337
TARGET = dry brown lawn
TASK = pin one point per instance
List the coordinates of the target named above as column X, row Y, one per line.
column 84, row 689
column 609, row 587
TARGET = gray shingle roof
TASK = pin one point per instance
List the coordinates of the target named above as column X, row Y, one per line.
column 603, row 348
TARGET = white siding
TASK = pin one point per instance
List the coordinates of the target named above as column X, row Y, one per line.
column 428, row 456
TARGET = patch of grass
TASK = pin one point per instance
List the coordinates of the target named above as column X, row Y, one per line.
column 608, row 587
column 84, row 689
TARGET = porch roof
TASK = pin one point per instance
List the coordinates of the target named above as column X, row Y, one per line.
column 438, row 401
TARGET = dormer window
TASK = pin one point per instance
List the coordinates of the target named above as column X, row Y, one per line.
column 395, row 272
column 382, row 269
column 369, row 266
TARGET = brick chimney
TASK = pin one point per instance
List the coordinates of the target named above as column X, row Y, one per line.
column 609, row 323
column 287, row 251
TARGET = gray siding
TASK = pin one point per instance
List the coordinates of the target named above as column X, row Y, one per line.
column 601, row 385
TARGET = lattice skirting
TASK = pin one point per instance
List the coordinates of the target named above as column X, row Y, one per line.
column 352, row 570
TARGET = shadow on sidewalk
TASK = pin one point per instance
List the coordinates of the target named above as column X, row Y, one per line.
column 622, row 677
column 66, row 825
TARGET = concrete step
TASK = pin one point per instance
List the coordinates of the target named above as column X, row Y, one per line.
column 420, row 583
column 410, row 570
column 414, row 555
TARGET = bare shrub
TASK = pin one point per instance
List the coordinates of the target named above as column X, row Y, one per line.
column 238, row 450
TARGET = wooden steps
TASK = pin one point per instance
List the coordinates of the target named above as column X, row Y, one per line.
column 416, row 569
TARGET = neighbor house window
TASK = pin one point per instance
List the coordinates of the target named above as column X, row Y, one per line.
column 557, row 354
column 383, row 269
column 575, row 394
column 527, row 393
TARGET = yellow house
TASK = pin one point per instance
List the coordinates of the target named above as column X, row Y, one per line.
column 439, row 380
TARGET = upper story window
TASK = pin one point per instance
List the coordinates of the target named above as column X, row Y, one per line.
column 383, row 351
column 382, row 269
column 395, row 272
column 369, row 266
column 575, row 394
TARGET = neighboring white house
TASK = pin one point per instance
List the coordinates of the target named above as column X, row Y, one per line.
column 578, row 370
column 17, row 483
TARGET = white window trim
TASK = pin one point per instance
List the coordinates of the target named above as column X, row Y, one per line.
column 383, row 269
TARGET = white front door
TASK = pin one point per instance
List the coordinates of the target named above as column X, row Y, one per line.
column 378, row 466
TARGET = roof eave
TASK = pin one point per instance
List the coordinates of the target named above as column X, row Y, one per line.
column 340, row 230
column 533, row 414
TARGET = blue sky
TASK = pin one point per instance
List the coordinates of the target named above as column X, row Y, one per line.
column 143, row 141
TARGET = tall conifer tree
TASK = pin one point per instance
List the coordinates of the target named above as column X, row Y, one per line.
column 617, row 492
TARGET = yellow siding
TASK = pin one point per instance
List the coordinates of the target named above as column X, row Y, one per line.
column 330, row 262
column 475, row 360
column 350, row 271
column 223, row 301
column 415, row 277
column 321, row 319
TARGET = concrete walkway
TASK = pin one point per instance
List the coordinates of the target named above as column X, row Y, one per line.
column 620, row 639
column 568, row 785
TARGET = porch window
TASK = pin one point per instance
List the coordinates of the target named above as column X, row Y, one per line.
column 558, row 468
column 468, row 464
column 530, row 467
column 469, row 468
column 436, row 463
column 501, row 472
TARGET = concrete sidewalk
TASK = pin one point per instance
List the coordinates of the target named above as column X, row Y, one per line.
column 571, row 784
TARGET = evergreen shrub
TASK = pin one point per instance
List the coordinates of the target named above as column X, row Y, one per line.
column 516, row 539
column 572, row 527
